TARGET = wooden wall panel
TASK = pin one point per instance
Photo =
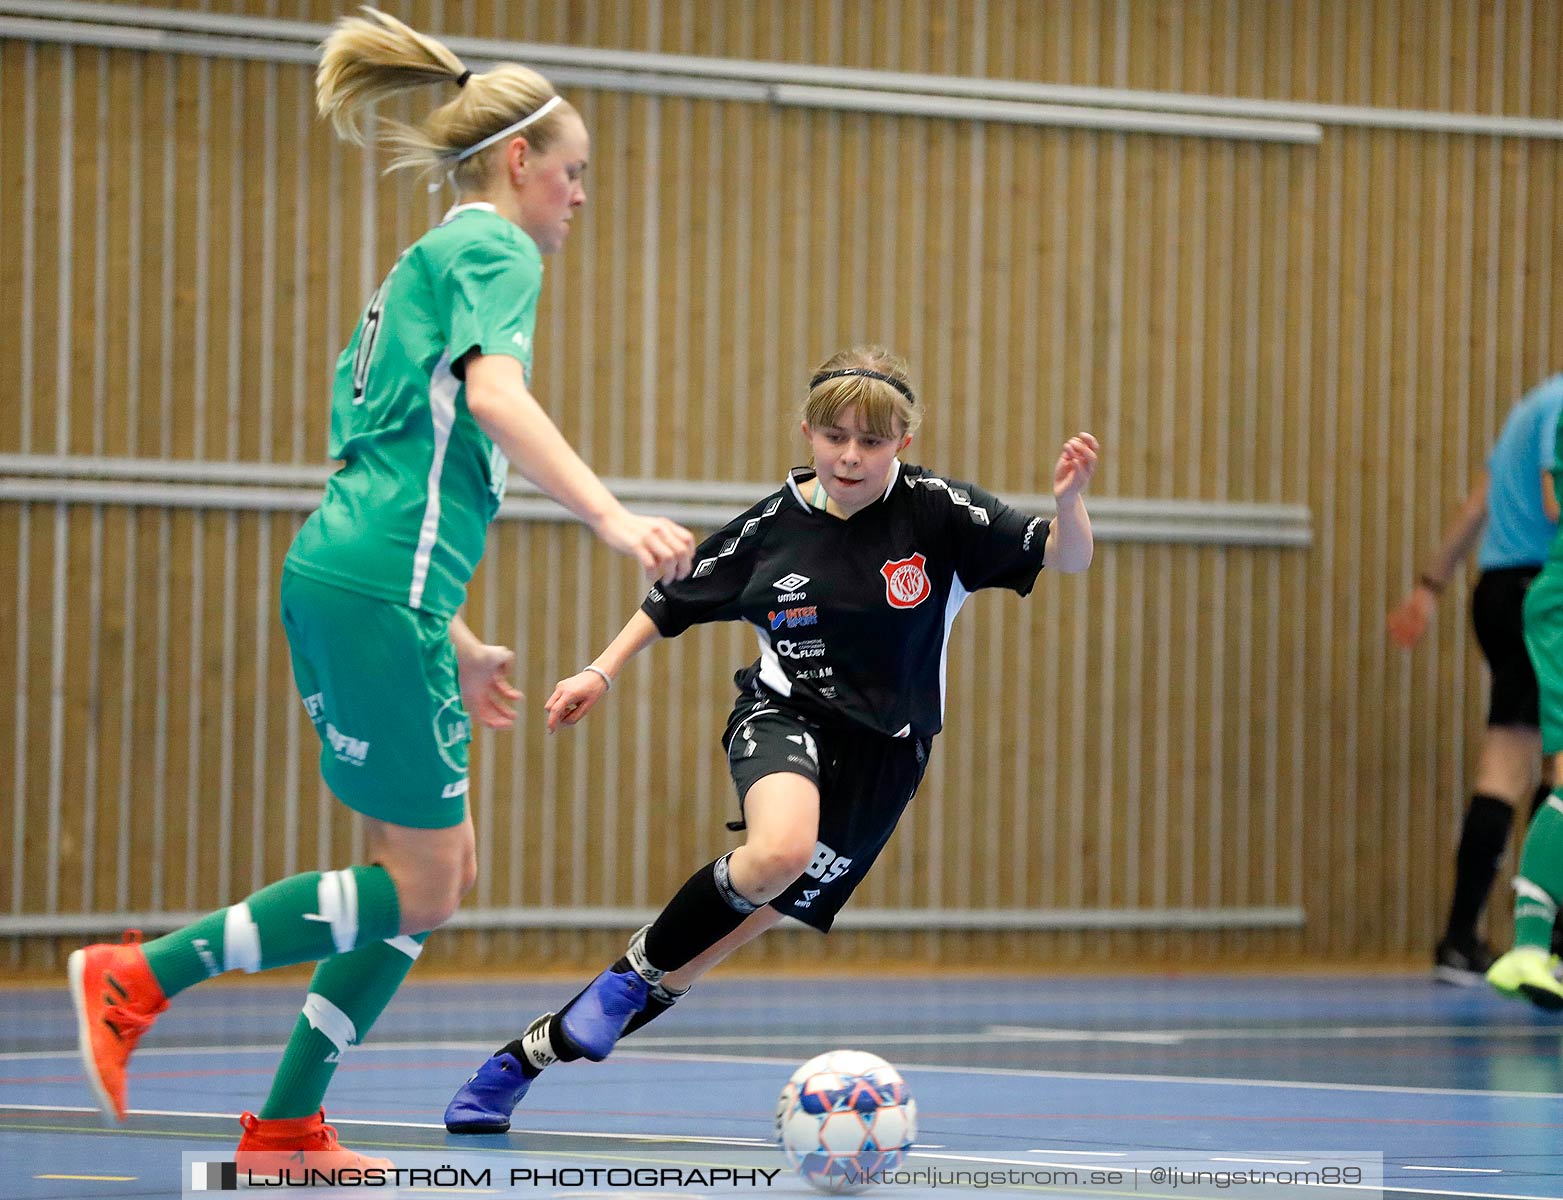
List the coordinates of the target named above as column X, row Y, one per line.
column 1341, row 326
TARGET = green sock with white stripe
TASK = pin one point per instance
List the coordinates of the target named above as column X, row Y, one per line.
column 346, row 996
column 1539, row 884
column 303, row 918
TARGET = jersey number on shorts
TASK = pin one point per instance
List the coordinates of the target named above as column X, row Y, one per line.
column 827, row 865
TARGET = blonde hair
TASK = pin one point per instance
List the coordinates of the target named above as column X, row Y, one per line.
column 880, row 404
column 367, row 58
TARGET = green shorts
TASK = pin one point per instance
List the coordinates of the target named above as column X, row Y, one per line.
column 1544, row 640
column 380, row 682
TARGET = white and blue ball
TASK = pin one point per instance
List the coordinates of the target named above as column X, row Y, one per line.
column 843, row 1115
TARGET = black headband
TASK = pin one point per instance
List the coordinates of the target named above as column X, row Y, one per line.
column 866, row 374
column 461, row 80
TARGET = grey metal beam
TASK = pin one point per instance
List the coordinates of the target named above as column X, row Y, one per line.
column 902, row 920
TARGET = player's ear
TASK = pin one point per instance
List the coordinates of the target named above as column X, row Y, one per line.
column 905, row 442
column 517, row 151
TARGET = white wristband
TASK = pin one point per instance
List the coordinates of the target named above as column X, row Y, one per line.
column 599, row 671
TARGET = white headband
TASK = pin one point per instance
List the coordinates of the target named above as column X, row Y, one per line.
column 537, row 114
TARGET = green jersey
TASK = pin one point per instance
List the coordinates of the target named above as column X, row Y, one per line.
column 406, row 517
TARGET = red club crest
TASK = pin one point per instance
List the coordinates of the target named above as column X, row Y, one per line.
column 906, row 583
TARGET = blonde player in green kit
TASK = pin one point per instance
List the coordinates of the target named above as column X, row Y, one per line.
column 430, row 405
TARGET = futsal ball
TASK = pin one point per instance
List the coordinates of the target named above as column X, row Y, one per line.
column 844, row 1116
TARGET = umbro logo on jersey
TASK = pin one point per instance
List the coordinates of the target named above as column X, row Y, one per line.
column 906, row 582
column 809, row 896
column 790, row 583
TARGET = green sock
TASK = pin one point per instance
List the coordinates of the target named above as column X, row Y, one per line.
column 346, row 995
column 303, row 918
column 1539, row 885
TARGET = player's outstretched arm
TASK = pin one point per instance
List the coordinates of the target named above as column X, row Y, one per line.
column 574, row 697
column 1069, row 542
column 503, row 407
column 1409, row 619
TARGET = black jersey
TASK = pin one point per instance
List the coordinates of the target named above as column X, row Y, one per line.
column 854, row 616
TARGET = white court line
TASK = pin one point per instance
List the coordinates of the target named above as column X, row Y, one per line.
column 1114, row 1077
column 986, row 1037
column 982, row 1158
column 627, row 1055
column 171, row 1051
column 1042, row 1033
column 1003, row 1034
column 1461, row 1170
column 1082, row 1153
column 1274, row 1162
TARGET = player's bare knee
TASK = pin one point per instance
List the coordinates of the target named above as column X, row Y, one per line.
column 458, row 880
column 430, row 895
column 422, row 911
column 777, row 864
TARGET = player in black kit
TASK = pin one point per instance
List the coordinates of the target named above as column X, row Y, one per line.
column 851, row 574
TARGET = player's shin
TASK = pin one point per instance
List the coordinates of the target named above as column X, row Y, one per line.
column 346, row 996
column 1539, row 885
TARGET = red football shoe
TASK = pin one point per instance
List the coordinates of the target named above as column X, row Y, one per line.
column 274, row 1148
column 116, row 998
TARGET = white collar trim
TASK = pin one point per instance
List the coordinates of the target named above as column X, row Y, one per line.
column 792, row 484
column 476, row 205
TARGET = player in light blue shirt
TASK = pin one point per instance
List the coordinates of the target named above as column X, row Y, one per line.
column 1515, row 504
column 1520, row 527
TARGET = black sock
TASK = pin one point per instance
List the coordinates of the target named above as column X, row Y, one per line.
column 661, row 999
column 542, row 1045
column 545, row 1041
column 549, row 1043
column 706, row 909
column 1482, row 839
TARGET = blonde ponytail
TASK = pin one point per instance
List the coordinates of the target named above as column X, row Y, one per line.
column 368, row 58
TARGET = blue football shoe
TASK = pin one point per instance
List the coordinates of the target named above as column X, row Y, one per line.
column 595, row 1020
column 484, row 1103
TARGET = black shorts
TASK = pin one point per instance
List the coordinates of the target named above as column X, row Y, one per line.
column 865, row 782
column 1497, row 611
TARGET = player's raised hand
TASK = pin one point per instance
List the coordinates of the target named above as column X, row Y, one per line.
column 573, row 698
column 665, row 550
column 1076, row 464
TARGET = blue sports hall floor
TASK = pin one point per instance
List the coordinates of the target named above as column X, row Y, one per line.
column 1459, row 1091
